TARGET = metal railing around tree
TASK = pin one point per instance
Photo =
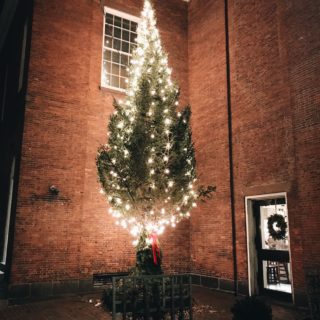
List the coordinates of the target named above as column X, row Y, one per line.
column 151, row 297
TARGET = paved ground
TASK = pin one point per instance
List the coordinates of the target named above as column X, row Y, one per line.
column 209, row 305
column 214, row 305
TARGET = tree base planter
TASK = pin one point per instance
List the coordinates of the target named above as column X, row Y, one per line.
column 150, row 297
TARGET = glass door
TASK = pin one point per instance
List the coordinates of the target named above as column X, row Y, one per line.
column 272, row 244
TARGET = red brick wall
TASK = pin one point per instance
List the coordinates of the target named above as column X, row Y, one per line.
column 274, row 47
column 276, row 117
column 301, row 38
column 66, row 121
column 211, row 241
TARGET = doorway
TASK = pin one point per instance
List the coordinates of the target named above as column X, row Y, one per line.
column 268, row 244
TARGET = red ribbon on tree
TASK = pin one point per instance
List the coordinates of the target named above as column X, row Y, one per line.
column 155, row 247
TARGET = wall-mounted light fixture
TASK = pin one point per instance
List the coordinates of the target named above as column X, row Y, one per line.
column 54, row 190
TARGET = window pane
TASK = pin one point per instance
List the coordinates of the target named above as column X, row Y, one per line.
column 108, row 42
column 125, row 24
column 125, row 46
column 117, row 33
column 104, row 66
column 125, row 35
column 133, row 37
column 116, row 57
column 132, row 47
column 108, row 29
column 124, row 60
column 116, row 44
column 108, row 67
column 114, row 81
column 115, row 70
column 106, row 79
column 117, row 21
column 106, row 70
column 133, row 26
column 107, row 55
column 123, row 84
column 109, row 18
column 123, row 71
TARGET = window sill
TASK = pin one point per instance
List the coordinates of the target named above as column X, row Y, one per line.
column 110, row 90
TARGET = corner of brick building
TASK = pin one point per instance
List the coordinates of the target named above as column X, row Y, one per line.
column 274, row 61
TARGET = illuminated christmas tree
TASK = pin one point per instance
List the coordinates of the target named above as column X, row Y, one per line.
column 147, row 168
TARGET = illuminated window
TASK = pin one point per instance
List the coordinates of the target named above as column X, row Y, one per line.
column 119, row 40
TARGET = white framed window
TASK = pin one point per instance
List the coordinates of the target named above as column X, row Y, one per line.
column 119, row 41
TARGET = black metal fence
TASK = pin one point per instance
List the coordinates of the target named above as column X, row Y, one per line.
column 152, row 297
column 313, row 291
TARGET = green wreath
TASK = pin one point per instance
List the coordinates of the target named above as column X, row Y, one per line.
column 280, row 223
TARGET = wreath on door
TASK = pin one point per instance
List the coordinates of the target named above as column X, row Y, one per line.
column 277, row 220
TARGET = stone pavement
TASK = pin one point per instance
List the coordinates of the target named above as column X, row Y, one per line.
column 215, row 305
column 209, row 305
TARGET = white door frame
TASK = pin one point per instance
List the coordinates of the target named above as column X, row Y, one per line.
column 250, row 228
